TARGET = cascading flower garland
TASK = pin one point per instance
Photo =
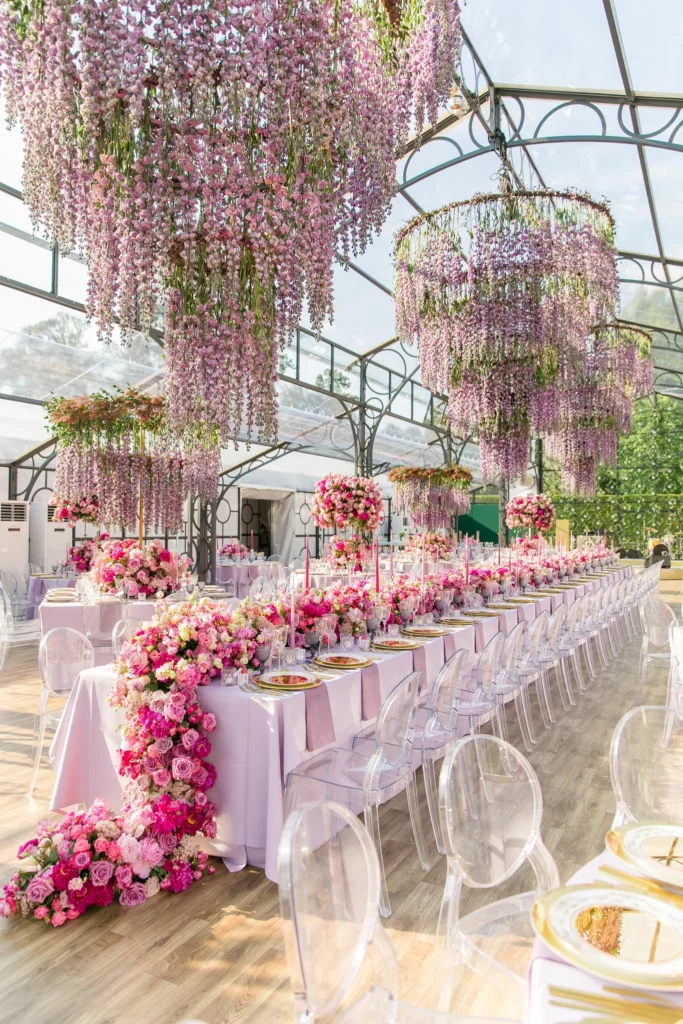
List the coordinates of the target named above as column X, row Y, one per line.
column 496, row 291
column 119, row 447
column 595, row 403
column 531, row 511
column 340, row 501
column 121, row 564
column 430, row 497
column 82, row 510
column 437, row 546
column 212, row 157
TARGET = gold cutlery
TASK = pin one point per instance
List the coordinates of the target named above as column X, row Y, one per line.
column 644, row 884
column 625, row 1005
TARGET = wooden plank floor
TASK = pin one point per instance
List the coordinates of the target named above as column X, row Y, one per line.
column 214, row 953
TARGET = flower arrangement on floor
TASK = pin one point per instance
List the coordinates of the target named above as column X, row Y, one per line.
column 531, row 511
column 233, row 549
column 431, row 497
column 349, row 553
column 219, row 164
column 83, row 510
column 437, row 546
column 340, row 501
column 497, row 290
column 119, row 447
column 81, row 556
column 142, row 572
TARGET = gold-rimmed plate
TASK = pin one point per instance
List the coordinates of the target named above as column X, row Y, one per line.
column 619, row 934
column 285, row 681
column 654, row 848
column 426, row 631
column 394, row 643
column 342, row 662
column 457, row 623
column 501, row 607
column 481, row 613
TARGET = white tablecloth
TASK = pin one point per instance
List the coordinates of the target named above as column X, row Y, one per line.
column 546, row 970
column 57, row 613
column 38, row 587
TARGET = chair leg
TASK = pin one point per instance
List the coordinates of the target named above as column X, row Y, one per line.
column 577, row 674
column 416, row 821
column 642, row 671
column 371, row 814
column 602, row 650
column 522, row 723
column 545, row 687
column 39, row 748
column 563, row 695
column 432, row 791
column 589, row 659
column 565, row 680
column 499, row 723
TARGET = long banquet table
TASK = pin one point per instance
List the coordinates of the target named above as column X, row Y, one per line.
column 260, row 737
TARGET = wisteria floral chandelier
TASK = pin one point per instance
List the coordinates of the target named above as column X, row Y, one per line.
column 498, row 291
column 431, row 496
column 212, row 157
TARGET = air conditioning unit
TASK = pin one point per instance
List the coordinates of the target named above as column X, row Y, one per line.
column 49, row 540
column 14, row 527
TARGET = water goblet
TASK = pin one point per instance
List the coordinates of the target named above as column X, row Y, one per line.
column 346, row 641
column 290, row 657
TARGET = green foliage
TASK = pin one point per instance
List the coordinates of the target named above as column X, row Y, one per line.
column 623, row 516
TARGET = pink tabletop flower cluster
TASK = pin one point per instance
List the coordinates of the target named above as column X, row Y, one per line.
column 340, row 501
column 81, row 556
column 437, row 546
column 147, row 571
column 349, row 553
column 233, row 549
column 85, row 510
column 535, row 511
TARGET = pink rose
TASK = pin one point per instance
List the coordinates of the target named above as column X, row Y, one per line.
column 124, row 876
column 58, row 918
column 39, row 888
column 133, row 896
column 101, row 871
column 101, row 845
column 41, row 912
column 209, row 722
column 182, row 767
column 161, row 778
column 82, row 859
column 80, row 845
column 189, row 739
column 114, row 851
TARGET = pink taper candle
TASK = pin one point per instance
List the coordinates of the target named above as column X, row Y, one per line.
column 422, row 582
column 391, row 555
column 307, row 580
column 252, row 540
column 292, row 614
column 499, row 551
column 377, row 567
column 467, row 559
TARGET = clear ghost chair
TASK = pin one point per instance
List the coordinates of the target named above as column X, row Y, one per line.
column 481, row 702
column 572, row 640
column 510, row 682
column 363, row 781
column 99, row 620
column 274, row 558
column 554, row 656
column 656, row 618
column 329, row 885
column 491, row 809
column 125, row 629
column 646, row 766
column 18, row 633
column 4, row 645
column 63, row 654
column 674, row 690
column 534, row 670
column 256, row 589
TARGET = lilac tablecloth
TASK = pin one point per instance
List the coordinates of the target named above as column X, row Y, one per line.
column 37, row 589
column 242, row 574
column 56, row 613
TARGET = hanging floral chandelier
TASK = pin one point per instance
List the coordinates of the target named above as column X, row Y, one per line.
column 595, row 403
column 118, row 447
column 431, row 497
column 495, row 291
column 211, row 157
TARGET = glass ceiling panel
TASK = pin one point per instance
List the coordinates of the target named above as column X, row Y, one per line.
column 455, row 183
column 606, row 170
column 363, row 313
column 666, row 172
column 534, row 41
column 645, row 304
column 652, row 36
column 46, row 349
column 22, row 426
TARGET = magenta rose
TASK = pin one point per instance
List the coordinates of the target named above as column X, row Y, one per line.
column 182, row 767
column 39, row 889
column 164, row 555
column 124, row 876
column 167, row 841
column 133, row 896
column 101, row 871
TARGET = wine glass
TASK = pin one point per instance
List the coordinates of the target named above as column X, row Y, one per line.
column 329, row 624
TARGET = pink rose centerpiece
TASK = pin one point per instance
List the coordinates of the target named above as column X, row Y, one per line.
column 143, row 572
column 233, row 549
column 341, row 501
column 81, row 556
column 437, row 547
column 531, row 511
column 85, row 510
column 349, row 553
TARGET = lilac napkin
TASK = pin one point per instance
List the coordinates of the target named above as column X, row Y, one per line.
column 319, row 725
column 371, row 698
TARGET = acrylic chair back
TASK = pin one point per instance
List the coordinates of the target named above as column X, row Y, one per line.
column 513, row 649
column 575, row 615
column 657, row 617
column 62, row 655
column 99, row 620
column 6, row 606
column 256, row 588
column 556, row 627
column 535, row 636
column 3, row 638
column 489, row 664
column 329, row 903
column 491, row 807
column 396, row 723
column 444, row 696
column 9, row 582
column 125, row 629
column 646, row 766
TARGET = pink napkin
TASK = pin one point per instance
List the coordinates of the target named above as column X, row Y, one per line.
column 371, row 697
column 319, row 724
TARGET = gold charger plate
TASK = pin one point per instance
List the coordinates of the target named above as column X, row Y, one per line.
column 343, row 662
column 429, row 634
column 457, row 623
column 310, row 684
column 618, row 934
column 501, row 607
column 483, row 613
column 654, row 848
column 395, row 644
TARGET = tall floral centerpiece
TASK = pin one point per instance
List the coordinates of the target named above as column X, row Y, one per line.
column 213, row 158
column 347, row 501
column 83, row 510
column 496, row 291
column 142, row 572
column 82, row 556
column 436, row 546
column 119, row 447
column 531, row 511
column 431, row 497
